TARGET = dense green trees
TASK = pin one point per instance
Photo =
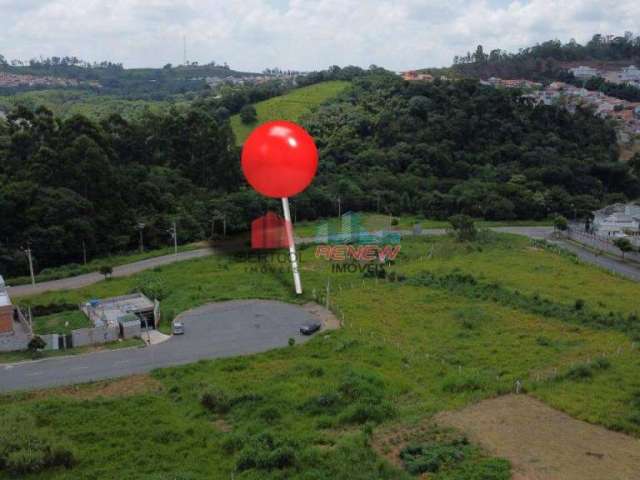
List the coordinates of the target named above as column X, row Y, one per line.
column 74, row 184
column 445, row 148
column 386, row 145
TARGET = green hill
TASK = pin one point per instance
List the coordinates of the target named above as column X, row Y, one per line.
column 291, row 106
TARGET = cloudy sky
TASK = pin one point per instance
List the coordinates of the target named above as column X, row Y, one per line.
column 299, row 34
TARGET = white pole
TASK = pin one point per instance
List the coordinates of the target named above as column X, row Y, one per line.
column 175, row 238
column 292, row 246
column 33, row 278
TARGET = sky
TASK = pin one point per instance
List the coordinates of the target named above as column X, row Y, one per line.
column 252, row 35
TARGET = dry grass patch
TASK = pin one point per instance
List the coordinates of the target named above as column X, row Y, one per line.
column 122, row 387
column 545, row 444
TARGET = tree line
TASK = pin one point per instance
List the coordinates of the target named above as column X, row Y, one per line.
column 386, row 145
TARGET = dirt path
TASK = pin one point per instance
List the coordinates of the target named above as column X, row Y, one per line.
column 545, row 444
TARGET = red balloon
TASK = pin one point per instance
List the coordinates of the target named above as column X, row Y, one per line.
column 279, row 159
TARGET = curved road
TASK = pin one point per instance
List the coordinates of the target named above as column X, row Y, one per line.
column 211, row 331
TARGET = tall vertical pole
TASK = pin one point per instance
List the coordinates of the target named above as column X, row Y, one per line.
column 33, row 278
column 292, row 246
column 84, row 252
column 339, row 207
column 175, row 239
column 224, row 226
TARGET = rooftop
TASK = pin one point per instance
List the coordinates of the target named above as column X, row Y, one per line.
column 109, row 310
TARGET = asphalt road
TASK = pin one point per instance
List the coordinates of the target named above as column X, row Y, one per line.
column 211, row 331
column 95, row 277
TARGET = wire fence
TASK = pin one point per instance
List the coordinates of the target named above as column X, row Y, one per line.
column 600, row 243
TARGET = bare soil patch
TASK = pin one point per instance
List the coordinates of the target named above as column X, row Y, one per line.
column 123, row 387
column 328, row 320
column 545, row 444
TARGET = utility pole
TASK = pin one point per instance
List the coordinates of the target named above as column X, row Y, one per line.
column 377, row 202
column 140, row 228
column 174, row 234
column 27, row 251
column 84, row 252
column 339, row 207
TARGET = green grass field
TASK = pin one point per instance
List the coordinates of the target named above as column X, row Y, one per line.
column 66, row 103
column 376, row 221
column 291, row 106
column 409, row 348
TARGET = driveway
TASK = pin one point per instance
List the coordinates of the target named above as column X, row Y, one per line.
column 212, row 331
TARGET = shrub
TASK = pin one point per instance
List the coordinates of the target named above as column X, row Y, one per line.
column 25, row 448
column 463, row 227
column 292, row 341
column 266, row 452
column 215, row 401
column 106, row 270
column 579, row 305
column 431, row 457
column 248, row 114
column 153, row 285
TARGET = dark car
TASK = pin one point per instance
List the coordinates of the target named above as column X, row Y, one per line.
column 310, row 328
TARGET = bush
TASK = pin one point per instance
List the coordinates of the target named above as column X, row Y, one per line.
column 216, row 401
column 248, row 114
column 25, row 448
column 464, row 228
column 106, row 270
column 266, row 452
column 153, row 285
column 431, row 457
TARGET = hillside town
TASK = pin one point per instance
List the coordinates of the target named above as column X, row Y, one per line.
column 626, row 114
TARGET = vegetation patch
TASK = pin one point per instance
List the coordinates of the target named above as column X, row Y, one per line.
column 25, row 448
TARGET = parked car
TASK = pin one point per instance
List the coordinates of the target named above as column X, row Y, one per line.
column 178, row 328
column 310, row 328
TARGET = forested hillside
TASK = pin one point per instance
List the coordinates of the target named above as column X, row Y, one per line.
column 442, row 148
column 431, row 149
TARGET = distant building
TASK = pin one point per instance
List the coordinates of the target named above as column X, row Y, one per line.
column 6, row 309
column 584, row 73
column 413, row 76
column 617, row 220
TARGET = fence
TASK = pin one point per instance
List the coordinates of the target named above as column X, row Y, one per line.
column 600, row 243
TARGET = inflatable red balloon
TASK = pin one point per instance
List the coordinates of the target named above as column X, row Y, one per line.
column 279, row 159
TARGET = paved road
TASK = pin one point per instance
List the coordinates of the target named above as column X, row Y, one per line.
column 131, row 268
column 211, row 331
column 624, row 269
column 121, row 271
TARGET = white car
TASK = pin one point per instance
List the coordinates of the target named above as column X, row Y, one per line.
column 178, row 328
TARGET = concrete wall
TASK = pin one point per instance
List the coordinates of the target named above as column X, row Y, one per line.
column 94, row 336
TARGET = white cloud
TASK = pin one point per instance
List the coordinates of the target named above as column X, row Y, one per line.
column 302, row 34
